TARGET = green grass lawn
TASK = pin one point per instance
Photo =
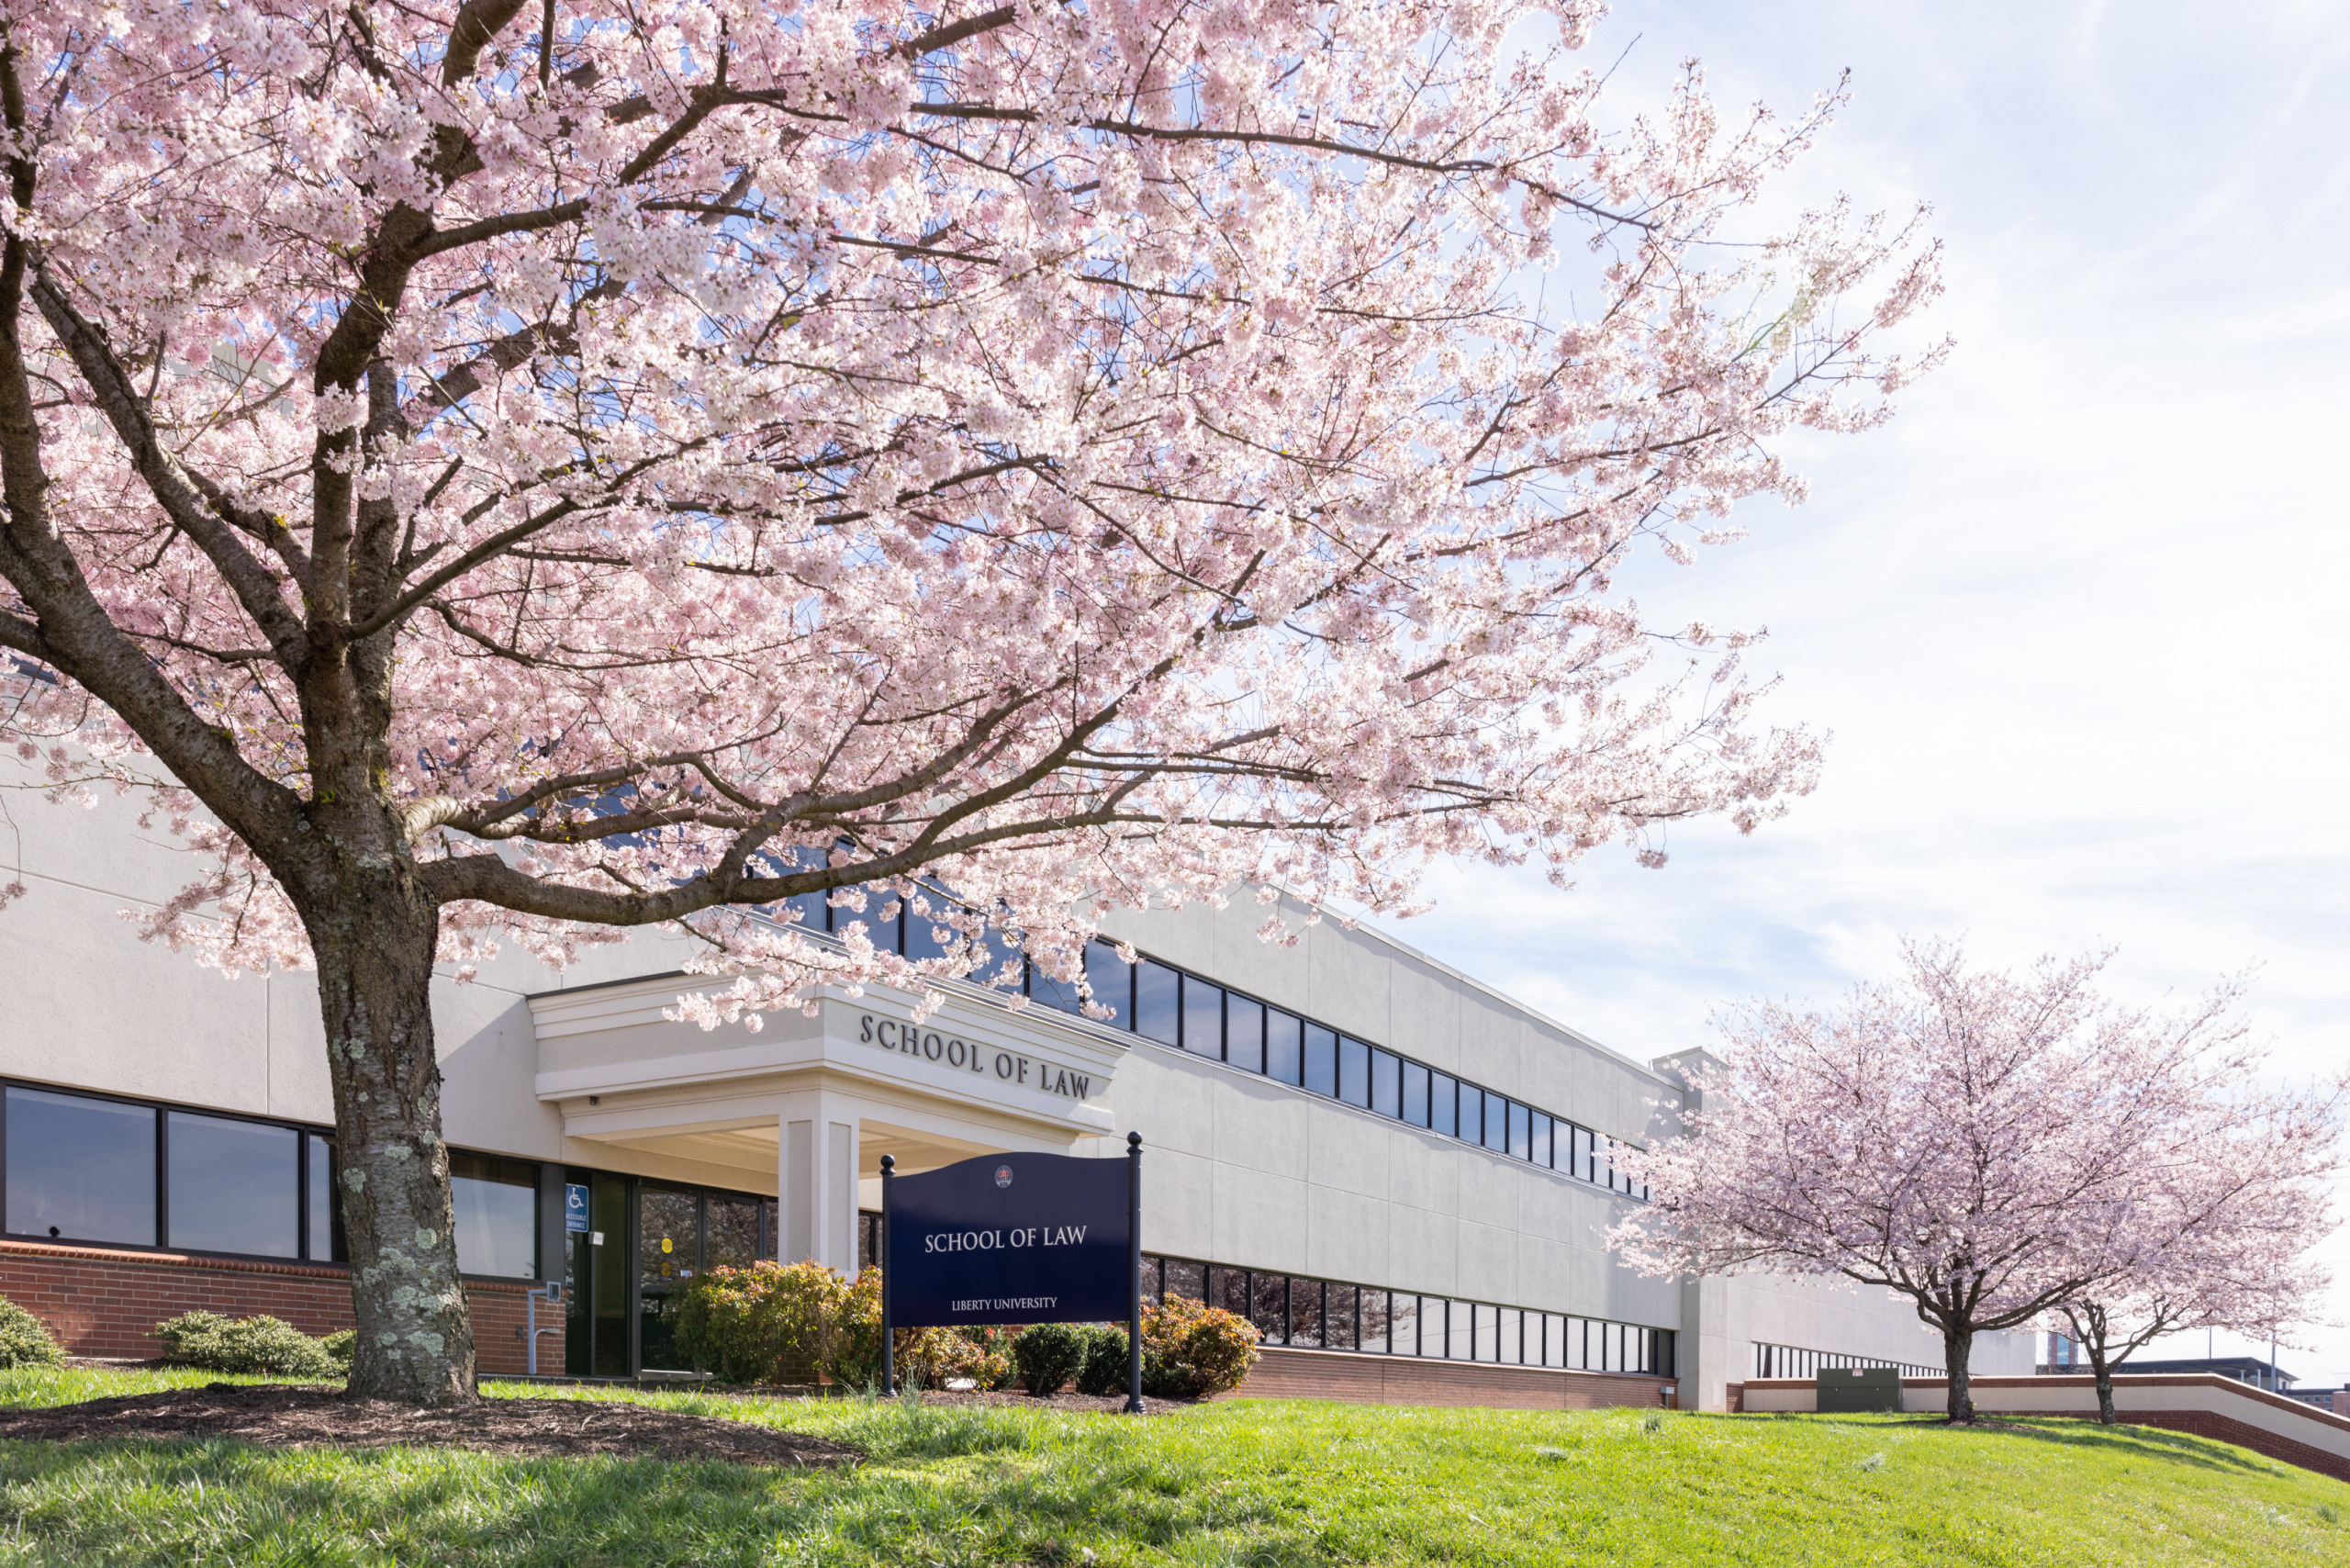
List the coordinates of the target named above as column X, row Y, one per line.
column 1254, row 1484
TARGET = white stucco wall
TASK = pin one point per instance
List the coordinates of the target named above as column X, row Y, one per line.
column 1240, row 1170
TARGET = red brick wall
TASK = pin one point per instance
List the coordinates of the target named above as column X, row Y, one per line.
column 1414, row 1380
column 103, row 1303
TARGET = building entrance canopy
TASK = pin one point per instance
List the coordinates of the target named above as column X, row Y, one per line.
column 811, row 1103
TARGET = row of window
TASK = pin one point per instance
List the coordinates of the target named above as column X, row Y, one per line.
column 1790, row 1361
column 124, row 1172
column 1328, row 1314
column 1177, row 1008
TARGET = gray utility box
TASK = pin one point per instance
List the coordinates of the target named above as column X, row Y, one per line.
column 1839, row 1391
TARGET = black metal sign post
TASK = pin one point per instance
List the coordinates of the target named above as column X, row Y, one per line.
column 889, row 1328
column 1134, row 1273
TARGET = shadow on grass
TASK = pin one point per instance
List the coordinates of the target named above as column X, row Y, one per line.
column 2145, row 1441
column 2128, row 1438
column 219, row 1501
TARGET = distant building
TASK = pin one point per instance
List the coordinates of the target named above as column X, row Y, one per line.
column 2060, row 1356
column 2244, row 1368
column 2336, row 1400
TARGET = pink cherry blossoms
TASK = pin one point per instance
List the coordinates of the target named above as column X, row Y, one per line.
column 1081, row 456
column 1997, row 1148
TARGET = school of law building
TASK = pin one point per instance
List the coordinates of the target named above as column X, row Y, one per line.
column 1403, row 1177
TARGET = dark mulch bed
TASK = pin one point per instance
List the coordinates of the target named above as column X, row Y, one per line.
column 283, row 1416
column 1064, row 1400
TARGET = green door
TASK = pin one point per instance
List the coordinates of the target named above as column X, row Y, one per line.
column 596, row 1275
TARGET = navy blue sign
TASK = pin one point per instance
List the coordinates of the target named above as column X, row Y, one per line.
column 575, row 1206
column 1009, row 1239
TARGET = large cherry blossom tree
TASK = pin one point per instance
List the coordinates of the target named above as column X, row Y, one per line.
column 495, row 473
column 1993, row 1146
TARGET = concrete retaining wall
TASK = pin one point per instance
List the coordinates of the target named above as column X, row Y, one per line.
column 2199, row 1402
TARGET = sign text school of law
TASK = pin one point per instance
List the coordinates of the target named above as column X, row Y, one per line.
column 972, row 1056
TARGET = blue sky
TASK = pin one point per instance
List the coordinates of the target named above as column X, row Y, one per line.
column 2079, row 619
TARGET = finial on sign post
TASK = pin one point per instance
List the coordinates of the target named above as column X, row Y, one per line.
column 881, row 1260
column 1134, row 1273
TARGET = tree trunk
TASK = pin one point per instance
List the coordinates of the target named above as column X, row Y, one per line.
column 2104, row 1370
column 375, row 949
column 1958, row 1347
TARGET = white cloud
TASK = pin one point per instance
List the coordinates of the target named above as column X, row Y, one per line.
column 2076, row 619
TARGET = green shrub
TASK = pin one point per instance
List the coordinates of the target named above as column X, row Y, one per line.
column 23, row 1339
column 770, row 1322
column 1048, row 1356
column 1103, row 1371
column 339, row 1346
column 260, row 1344
column 1191, row 1350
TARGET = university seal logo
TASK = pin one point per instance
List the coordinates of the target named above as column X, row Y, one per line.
column 1004, row 1175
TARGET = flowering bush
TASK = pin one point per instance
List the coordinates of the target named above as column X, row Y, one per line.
column 1190, row 1349
column 764, row 1322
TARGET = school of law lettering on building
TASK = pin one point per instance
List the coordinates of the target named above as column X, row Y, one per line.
column 1370, row 1155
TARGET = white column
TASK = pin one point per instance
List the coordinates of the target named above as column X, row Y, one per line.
column 816, row 1147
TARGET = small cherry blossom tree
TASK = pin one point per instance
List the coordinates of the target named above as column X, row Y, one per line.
column 1965, row 1139
column 491, row 473
column 2217, row 1229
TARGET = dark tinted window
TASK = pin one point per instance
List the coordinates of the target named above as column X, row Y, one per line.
column 1354, row 1072
column 233, row 1186
column 1111, row 979
column 1387, row 1085
column 1415, row 1094
column 1156, row 1002
column 1444, row 1115
column 1305, row 1312
column 1404, row 1324
column 1203, row 1017
column 1285, row 1046
column 880, row 917
column 927, row 934
column 1059, row 995
column 1520, row 1132
column 990, row 956
column 1321, row 1060
column 1496, row 1122
column 1542, row 1126
column 1186, row 1280
column 1339, row 1317
column 326, row 1235
column 735, row 1231
column 1270, row 1313
column 1244, row 1032
column 497, row 1210
column 81, row 1169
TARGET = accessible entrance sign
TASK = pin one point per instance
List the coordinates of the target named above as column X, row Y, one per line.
column 1014, row 1238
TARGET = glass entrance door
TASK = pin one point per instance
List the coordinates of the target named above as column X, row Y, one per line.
column 668, row 1254
column 642, row 1243
column 596, row 1337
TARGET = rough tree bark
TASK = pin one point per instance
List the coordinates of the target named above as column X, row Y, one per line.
column 1958, row 1350
column 374, row 948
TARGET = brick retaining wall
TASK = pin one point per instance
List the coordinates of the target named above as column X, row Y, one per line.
column 1414, row 1379
column 100, row 1302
